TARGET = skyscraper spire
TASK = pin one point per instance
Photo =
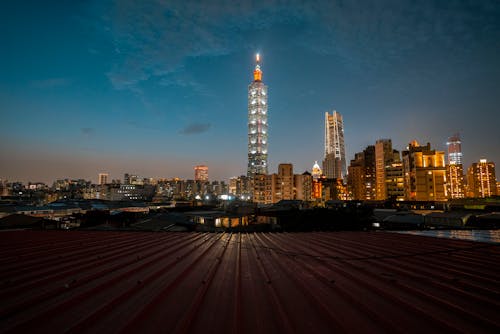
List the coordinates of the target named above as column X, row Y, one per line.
column 257, row 73
column 257, row 123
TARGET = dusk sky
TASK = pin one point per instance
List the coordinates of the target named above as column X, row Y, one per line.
column 156, row 87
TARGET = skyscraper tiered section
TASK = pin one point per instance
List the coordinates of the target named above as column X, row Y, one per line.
column 257, row 123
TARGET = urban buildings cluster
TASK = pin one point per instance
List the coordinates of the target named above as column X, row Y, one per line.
column 378, row 173
column 418, row 173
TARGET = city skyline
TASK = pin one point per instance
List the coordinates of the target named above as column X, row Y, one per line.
column 163, row 90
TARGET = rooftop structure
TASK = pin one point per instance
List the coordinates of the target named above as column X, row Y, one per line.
column 140, row 282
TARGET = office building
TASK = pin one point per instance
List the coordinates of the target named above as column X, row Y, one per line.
column 361, row 178
column 257, row 124
column 103, row 178
column 334, row 163
column 383, row 159
column 454, row 168
column 201, row 173
column 454, row 146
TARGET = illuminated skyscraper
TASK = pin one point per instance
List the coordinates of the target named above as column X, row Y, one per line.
column 454, row 149
column 454, row 168
column 361, row 178
column 257, row 123
column 103, row 178
column 481, row 179
column 334, row 164
column 383, row 158
column 201, row 173
column 455, row 180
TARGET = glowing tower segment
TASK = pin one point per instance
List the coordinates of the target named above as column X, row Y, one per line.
column 257, row 123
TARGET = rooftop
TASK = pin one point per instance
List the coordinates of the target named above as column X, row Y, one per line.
column 54, row 281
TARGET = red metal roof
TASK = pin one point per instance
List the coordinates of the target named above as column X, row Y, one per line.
column 54, row 281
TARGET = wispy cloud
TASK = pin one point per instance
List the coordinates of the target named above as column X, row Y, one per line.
column 155, row 38
column 195, row 128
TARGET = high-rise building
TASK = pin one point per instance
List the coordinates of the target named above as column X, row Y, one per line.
column 455, row 180
column 334, row 163
column 361, row 178
column 285, row 182
column 257, row 123
column 383, row 159
column 425, row 173
column 103, row 178
column 303, row 186
column 454, row 168
column 395, row 180
column 454, row 149
column 481, row 179
column 201, row 173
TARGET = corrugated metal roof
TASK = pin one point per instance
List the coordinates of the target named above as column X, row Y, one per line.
column 88, row 281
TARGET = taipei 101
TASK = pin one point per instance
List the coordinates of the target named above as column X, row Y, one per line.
column 175, row 166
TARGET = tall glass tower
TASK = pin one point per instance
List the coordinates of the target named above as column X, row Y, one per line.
column 454, row 150
column 257, row 123
column 334, row 164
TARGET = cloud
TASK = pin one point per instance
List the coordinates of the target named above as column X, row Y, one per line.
column 195, row 128
column 156, row 38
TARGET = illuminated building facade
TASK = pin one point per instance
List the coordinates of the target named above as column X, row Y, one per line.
column 454, row 168
column 383, row 158
column 284, row 187
column 425, row 173
column 264, row 188
column 361, row 177
column 303, row 186
column 316, row 171
column 103, row 178
column 201, row 173
column 481, row 179
column 395, row 180
column 272, row 188
column 334, row 163
column 257, row 124
column 455, row 180
column 454, row 150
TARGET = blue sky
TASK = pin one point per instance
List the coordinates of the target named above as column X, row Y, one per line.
column 156, row 87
